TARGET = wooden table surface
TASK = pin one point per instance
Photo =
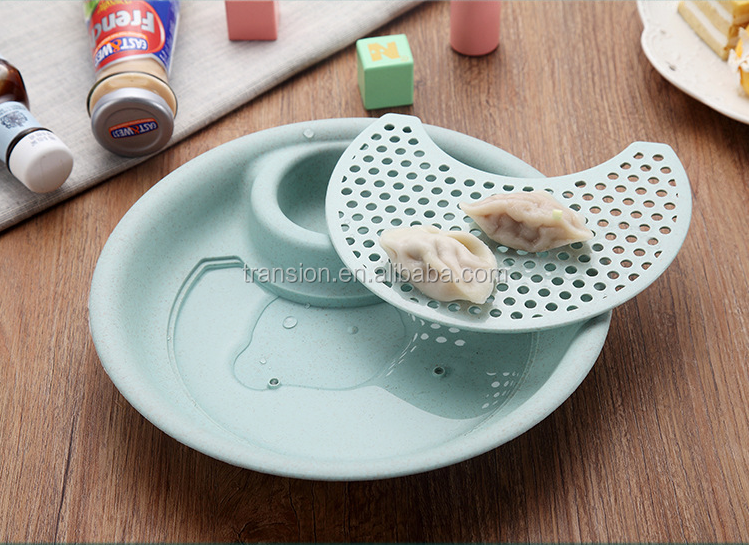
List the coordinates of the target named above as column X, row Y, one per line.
column 653, row 446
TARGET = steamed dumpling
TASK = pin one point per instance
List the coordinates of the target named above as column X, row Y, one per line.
column 443, row 265
column 532, row 221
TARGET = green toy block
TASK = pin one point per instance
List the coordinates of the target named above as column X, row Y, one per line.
column 385, row 71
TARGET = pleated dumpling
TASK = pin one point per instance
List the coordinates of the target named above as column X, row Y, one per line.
column 443, row 265
column 528, row 220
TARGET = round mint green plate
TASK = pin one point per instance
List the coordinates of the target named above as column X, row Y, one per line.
column 222, row 313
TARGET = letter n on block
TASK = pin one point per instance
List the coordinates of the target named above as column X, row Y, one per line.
column 385, row 71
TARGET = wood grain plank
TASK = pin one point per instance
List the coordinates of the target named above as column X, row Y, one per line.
column 650, row 447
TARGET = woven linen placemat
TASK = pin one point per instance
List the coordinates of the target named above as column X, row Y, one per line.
column 211, row 75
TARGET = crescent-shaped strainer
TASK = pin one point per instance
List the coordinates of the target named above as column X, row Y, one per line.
column 638, row 205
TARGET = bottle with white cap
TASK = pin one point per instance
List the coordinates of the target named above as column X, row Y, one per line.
column 33, row 154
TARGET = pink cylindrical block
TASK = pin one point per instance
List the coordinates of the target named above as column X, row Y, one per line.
column 474, row 26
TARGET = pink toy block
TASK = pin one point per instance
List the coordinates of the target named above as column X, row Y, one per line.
column 252, row 19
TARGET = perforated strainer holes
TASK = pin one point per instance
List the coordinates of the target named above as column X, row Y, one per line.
column 631, row 203
column 440, row 334
column 501, row 382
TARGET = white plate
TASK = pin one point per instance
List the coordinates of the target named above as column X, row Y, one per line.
column 675, row 50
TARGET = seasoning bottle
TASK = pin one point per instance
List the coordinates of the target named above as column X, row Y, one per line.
column 131, row 104
column 33, row 154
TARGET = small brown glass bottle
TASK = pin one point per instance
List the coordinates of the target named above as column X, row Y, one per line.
column 11, row 84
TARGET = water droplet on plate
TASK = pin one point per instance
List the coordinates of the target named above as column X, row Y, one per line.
column 308, row 133
column 289, row 322
column 274, row 383
column 353, row 330
column 263, row 361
